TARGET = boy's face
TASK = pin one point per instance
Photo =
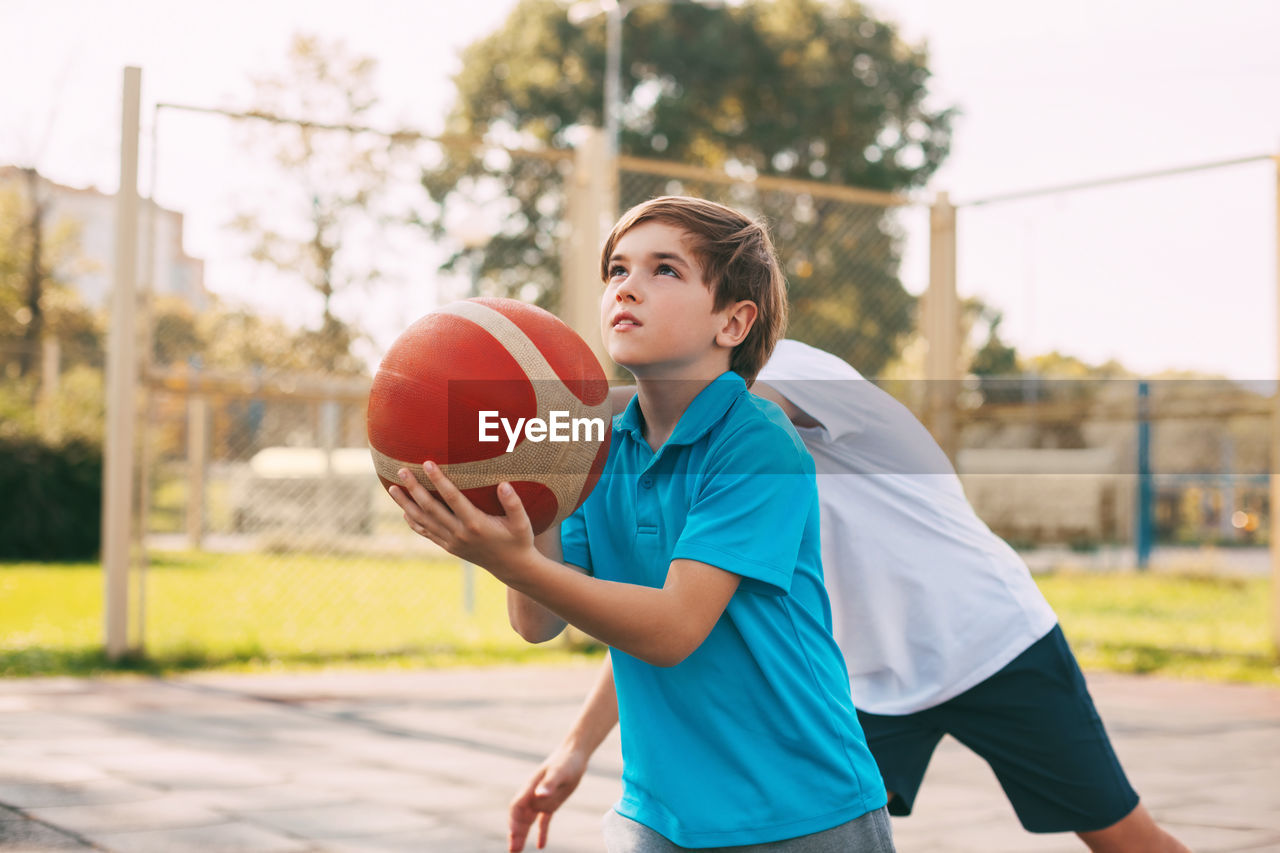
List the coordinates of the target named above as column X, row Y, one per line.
column 656, row 312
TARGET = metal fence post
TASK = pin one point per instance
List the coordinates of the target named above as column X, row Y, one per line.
column 941, row 325
column 589, row 212
column 50, row 370
column 197, row 466
column 1275, row 447
column 1144, row 517
column 122, row 383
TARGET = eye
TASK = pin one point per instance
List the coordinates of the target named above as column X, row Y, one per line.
column 667, row 269
column 617, row 270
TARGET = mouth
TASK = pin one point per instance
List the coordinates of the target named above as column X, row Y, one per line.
column 624, row 320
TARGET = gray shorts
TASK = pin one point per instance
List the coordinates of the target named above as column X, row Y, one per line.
column 870, row 833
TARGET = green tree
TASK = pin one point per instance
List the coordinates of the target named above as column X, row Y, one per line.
column 232, row 340
column 994, row 357
column 37, row 254
column 337, row 184
column 799, row 88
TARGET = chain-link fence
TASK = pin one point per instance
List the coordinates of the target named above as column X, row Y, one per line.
column 1077, row 296
column 264, row 531
column 253, row 443
column 840, row 249
column 1119, row 412
column 250, row 450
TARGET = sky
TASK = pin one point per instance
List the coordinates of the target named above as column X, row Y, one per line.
column 1175, row 273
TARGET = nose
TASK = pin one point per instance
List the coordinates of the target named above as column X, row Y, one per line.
column 626, row 292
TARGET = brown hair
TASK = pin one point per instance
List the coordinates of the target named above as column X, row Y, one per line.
column 738, row 263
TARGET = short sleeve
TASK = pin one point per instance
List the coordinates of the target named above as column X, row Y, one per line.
column 574, row 547
column 750, row 512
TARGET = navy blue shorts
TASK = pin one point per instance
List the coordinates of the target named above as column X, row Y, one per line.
column 1035, row 724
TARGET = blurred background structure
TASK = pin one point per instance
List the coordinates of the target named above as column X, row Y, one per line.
column 1097, row 353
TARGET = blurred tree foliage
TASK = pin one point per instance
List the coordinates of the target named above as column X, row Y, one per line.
column 994, row 357
column 337, row 184
column 49, row 304
column 800, row 88
column 38, row 254
column 50, row 499
column 233, row 340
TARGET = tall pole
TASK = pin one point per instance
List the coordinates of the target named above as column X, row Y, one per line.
column 122, row 381
column 589, row 212
column 614, row 13
column 1143, row 523
column 942, row 325
column 1275, row 445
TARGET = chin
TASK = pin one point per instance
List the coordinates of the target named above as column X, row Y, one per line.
column 630, row 364
column 622, row 354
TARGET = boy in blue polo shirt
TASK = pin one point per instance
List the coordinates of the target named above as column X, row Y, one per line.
column 696, row 559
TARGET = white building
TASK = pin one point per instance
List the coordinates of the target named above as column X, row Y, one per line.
column 174, row 272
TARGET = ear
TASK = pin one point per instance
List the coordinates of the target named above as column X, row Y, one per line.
column 738, row 320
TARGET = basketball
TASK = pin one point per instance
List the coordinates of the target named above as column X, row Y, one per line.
column 493, row 390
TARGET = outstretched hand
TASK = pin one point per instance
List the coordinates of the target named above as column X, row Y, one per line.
column 550, row 786
column 457, row 525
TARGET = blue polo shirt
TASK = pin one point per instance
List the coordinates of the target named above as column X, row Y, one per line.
column 753, row 737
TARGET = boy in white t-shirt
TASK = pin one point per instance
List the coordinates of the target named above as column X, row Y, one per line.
column 983, row 660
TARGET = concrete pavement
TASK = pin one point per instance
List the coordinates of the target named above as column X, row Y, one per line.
column 427, row 761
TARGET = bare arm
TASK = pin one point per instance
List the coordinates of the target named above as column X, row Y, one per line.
column 659, row 626
column 531, row 620
column 598, row 716
column 558, row 776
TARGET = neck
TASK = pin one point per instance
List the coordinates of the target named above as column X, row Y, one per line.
column 664, row 400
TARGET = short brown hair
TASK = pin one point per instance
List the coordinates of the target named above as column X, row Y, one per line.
column 738, row 262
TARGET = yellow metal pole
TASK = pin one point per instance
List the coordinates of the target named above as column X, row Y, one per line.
column 591, row 203
column 122, row 382
column 1275, row 446
column 197, row 463
column 942, row 325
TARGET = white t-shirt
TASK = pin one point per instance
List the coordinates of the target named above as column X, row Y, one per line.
column 926, row 601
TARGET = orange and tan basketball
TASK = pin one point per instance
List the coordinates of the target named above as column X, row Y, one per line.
column 493, row 390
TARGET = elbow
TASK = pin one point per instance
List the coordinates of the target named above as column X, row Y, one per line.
column 537, row 630
column 666, row 661
column 671, row 652
column 533, row 622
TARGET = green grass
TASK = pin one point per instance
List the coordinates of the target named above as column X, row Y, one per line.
column 1200, row 627
column 295, row 611
column 265, row 611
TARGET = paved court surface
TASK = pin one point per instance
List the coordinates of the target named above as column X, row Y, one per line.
column 426, row 761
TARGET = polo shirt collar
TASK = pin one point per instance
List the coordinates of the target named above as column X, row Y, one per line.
column 704, row 412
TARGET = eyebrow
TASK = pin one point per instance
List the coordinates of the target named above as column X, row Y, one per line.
column 657, row 256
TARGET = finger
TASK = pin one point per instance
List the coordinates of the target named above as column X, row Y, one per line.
column 415, row 489
column 426, row 531
column 544, row 826
column 404, row 499
column 513, row 507
column 419, row 519
column 521, row 819
column 425, row 503
column 448, row 492
column 413, row 514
